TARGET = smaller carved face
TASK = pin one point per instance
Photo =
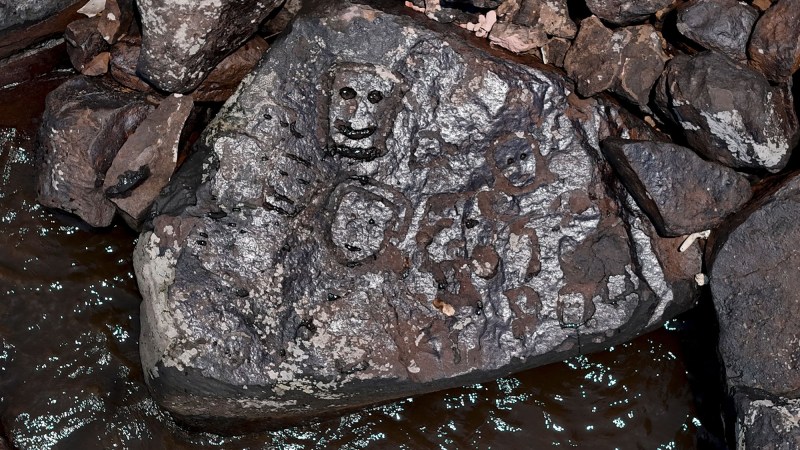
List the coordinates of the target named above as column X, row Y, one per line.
column 363, row 106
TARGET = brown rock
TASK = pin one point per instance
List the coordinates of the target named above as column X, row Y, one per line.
column 85, row 123
column 524, row 25
column 98, row 65
column 225, row 78
column 124, row 56
column 147, row 160
column 625, row 12
column 39, row 59
column 626, row 61
column 517, row 38
column 278, row 21
column 555, row 51
column 115, row 20
column 84, row 42
column 775, row 44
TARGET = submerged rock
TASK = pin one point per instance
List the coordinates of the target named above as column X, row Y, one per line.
column 396, row 213
column 626, row 12
column 721, row 25
column 84, row 125
column 183, row 41
column 729, row 113
column 144, row 165
column 753, row 278
column 775, row 44
column 680, row 192
column 626, row 61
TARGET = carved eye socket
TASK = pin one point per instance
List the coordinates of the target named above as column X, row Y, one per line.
column 374, row 96
column 347, row 93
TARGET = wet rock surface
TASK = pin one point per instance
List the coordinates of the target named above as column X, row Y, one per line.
column 720, row 25
column 728, row 112
column 626, row 12
column 626, row 61
column 394, row 214
column 85, row 124
column 775, row 44
column 144, row 165
column 768, row 423
column 753, row 282
column 681, row 193
column 182, row 42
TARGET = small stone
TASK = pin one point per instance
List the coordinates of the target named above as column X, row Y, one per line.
column 85, row 123
column 763, row 5
column 729, row 113
column 149, row 154
column 626, row 61
column 626, row 12
column 552, row 16
column 98, row 65
column 115, row 19
column 775, row 44
column 517, row 38
column 756, row 293
column 679, row 192
column 721, row 25
column 84, row 42
column 182, row 42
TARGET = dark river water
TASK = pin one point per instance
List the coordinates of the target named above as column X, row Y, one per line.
column 70, row 375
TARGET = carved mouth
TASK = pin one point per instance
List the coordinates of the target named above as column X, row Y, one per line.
column 354, row 134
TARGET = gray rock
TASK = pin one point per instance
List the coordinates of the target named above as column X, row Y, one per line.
column 14, row 13
column 84, row 125
column 626, row 61
column 396, row 213
column 756, row 293
column 680, row 192
column 729, row 113
column 145, row 163
column 721, row 25
column 626, row 12
column 183, row 41
column 768, row 423
column 775, row 44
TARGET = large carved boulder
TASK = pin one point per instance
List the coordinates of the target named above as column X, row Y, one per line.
column 396, row 213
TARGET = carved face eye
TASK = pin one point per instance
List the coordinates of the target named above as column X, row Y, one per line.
column 374, row 96
column 347, row 93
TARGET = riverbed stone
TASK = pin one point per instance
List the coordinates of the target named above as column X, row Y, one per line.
column 183, row 41
column 397, row 213
column 729, row 113
column 755, row 289
column 680, row 192
column 721, row 25
column 626, row 12
column 626, row 61
column 145, row 163
column 775, row 44
column 84, row 125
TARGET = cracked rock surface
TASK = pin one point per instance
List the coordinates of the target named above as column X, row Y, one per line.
column 753, row 278
column 183, row 41
column 394, row 214
column 729, row 112
column 680, row 192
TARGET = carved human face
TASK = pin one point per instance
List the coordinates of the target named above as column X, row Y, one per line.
column 363, row 105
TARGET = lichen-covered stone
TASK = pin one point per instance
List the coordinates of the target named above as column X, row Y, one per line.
column 396, row 213
column 680, row 192
column 626, row 61
column 754, row 284
column 721, row 25
column 767, row 423
column 626, row 12
column 729, row 112
column 183, row 41
column 775, row 44
column 84, row 125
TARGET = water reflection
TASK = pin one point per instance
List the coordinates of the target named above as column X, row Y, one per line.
column 71, row 377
